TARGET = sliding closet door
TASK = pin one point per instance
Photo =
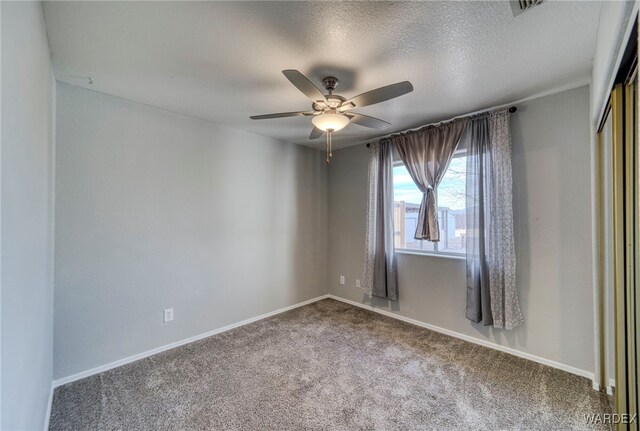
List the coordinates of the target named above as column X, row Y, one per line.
column 618, row 195
column 606, row 282
column 635, row 311
column 622, row 124
column 631, row 235
column 617, row 142
column 633, row 251
column 619, row 241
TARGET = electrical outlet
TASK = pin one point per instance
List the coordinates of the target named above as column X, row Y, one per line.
column 168, row 315
column 357, row 282
column 342, row 279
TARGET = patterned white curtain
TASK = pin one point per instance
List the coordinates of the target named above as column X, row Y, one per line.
column 370, row 237
column 492, row 297
column 501, row 254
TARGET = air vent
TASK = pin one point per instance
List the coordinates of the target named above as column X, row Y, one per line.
column 520, row 6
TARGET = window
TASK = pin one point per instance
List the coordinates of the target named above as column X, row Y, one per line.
column 451, row 209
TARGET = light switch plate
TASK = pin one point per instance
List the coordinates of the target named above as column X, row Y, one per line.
column 342, row 281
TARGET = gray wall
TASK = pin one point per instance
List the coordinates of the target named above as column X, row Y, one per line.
column 156, row 210
column 27, row 217
column 552, row 206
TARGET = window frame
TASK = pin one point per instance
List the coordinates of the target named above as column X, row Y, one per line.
column 461, row 152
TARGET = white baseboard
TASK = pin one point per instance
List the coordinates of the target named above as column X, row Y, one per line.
column 137, row 357
column 46, row 419
column 485, row 343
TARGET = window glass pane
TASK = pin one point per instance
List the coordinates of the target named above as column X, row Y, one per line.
column 451, row 209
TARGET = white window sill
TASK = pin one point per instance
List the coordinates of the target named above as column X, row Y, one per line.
column 427, row 254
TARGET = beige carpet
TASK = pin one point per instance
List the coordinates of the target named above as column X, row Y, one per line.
column 328, row 366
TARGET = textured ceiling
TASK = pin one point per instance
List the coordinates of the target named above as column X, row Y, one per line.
column 222, row 61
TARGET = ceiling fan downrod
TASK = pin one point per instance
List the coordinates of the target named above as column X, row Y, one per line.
column 330, row 83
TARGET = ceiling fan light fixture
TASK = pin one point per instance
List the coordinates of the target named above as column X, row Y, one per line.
column 328, row 114
column 330, row 121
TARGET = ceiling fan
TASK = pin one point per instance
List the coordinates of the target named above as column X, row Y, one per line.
column 331, row 112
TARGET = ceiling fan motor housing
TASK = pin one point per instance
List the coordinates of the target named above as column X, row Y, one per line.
column 333, row 101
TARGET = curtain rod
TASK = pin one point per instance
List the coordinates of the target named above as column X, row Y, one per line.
column 511, row 110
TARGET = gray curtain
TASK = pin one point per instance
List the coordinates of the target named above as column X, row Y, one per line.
column 426, row 153
column 476, row 141
column 492, row 297
column 380, row 276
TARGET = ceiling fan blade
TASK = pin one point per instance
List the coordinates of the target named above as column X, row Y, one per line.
column 316, row 133
column 378, row 95
column 281, row 115
column 303, row 84
column 367, row 121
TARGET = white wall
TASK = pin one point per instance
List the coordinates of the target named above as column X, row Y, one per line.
column 27, row 217
column 156, row 210
column 613, row 26
column 552, row 206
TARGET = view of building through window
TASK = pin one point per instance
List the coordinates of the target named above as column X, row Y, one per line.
column 451, row 209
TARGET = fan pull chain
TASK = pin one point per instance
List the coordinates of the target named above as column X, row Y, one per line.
column 327, row 146
column 329, row 143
